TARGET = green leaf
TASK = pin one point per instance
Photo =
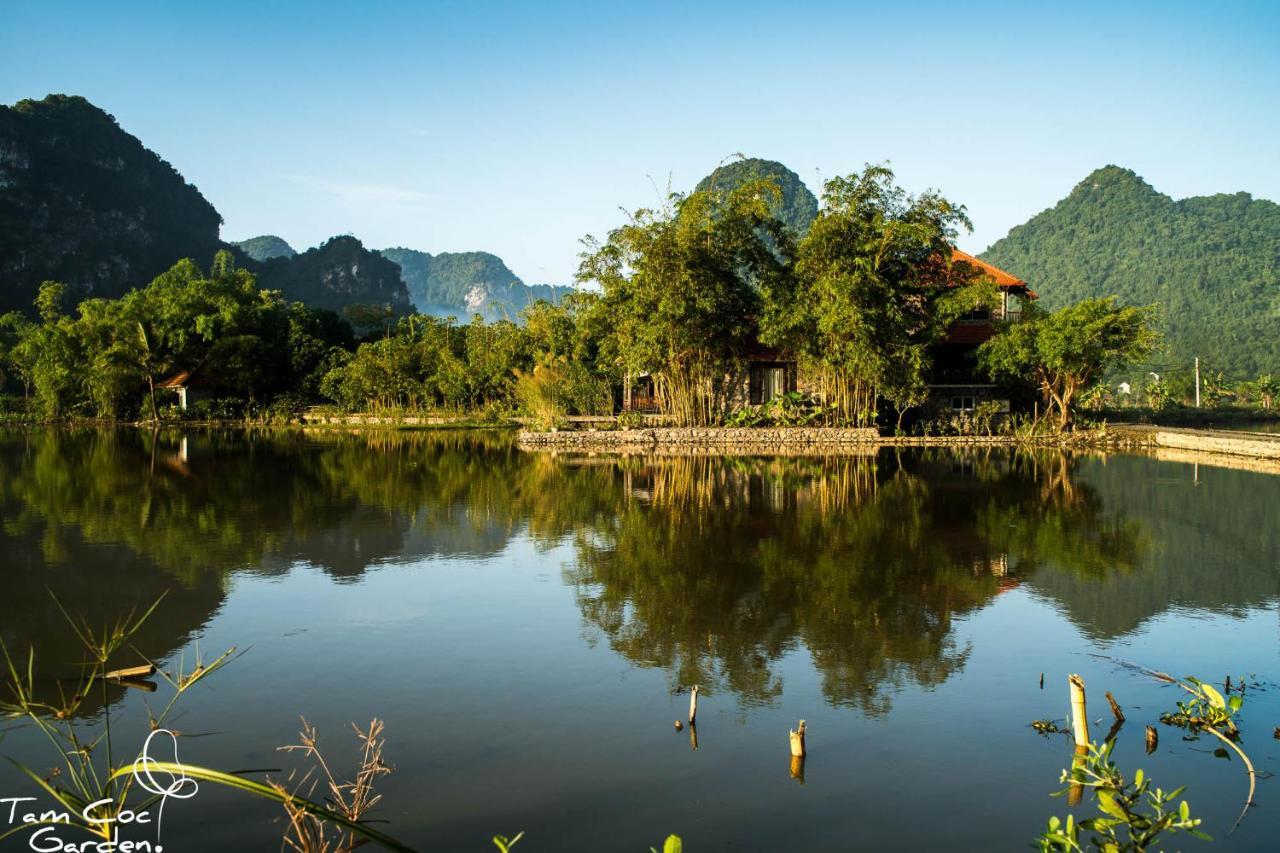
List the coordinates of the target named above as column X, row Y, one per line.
column 1107, row 802
column 1235, row 702
column 1214, row 697
column 1184, row 810
column 672, row 844
column 1138, row 776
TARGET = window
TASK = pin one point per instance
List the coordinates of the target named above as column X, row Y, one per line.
column 1012, row 307
column 962, row 404
column 767, row 380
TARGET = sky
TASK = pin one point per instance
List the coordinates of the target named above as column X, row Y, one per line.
column 520, row 128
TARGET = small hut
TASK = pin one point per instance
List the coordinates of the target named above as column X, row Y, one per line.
column 190, row 385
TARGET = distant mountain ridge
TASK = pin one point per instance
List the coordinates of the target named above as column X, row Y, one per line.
column 265, row 247
column 462, row 284
column 1212, row 263
column 84, row 203
column 798, row 206
column 338, row 273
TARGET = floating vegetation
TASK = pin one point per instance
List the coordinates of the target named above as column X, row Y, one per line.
column 1047, row 727
column 1207, row 708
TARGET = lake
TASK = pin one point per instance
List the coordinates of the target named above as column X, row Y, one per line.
column 528, row 626
column 1251, row 426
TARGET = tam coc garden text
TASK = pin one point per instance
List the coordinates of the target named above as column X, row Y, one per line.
column 867, row 510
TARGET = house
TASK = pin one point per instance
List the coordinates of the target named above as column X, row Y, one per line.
column 956, row 384
column 191, row 386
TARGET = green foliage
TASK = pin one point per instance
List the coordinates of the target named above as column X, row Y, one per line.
column 673, row 844
column 505, row 844
column 265, row 247
column 1211, row 263
column 1062, row 353
column 790, row 409
column 1207, row 708
column 1132, row 816
column 240, row 341
column 979, row 422
column 873, row 290
column 682, row 287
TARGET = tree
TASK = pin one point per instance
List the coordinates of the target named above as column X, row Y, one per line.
column 874, row 289
column 682, row 288
column 1063, row 352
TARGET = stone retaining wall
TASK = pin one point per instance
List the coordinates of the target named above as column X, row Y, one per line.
column 1230, row 443
column 726, row 437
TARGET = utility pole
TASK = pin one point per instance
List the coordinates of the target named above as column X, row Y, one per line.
column 1197, row 382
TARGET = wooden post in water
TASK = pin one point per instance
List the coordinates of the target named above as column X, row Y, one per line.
column 693, row 705
column 1115, row 708
column 797, row 741
column 1079, row 715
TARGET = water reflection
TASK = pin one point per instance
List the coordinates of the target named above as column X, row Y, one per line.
column 715, row 570
column 711, row 569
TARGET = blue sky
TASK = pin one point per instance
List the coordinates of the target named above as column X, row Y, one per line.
column 518, row 128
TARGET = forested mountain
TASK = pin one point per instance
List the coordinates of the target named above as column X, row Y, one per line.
column 84, row 203
column 338, row 273
column 1212, row 263
column 461, row 284
column 265, row 247
column 798, row 206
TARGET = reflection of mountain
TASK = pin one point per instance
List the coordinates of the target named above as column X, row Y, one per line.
column 1210, row 538
column 102, row 584
column 711, row 569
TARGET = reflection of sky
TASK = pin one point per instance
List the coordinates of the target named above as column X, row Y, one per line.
column 500, row 716
column 506, row 711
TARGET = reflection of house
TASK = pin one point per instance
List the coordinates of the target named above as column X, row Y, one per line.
column 956, row 383
column 190, row 385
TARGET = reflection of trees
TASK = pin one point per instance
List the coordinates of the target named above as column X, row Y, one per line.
column 217, row 502
column 710, row 568
column 1208, row 542
column 715, row 569
column 110, row 521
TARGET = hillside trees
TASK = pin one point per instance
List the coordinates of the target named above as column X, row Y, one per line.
column 1063, row 352
column 247, row 343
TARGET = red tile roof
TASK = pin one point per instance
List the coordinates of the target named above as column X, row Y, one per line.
column 999, row 276
column 177, row 380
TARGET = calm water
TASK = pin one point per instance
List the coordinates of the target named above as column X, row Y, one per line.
column 1259, row 426
column 527, row 626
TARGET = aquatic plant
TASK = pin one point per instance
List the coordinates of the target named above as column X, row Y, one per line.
column 98, row 791
column 1133, row 817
